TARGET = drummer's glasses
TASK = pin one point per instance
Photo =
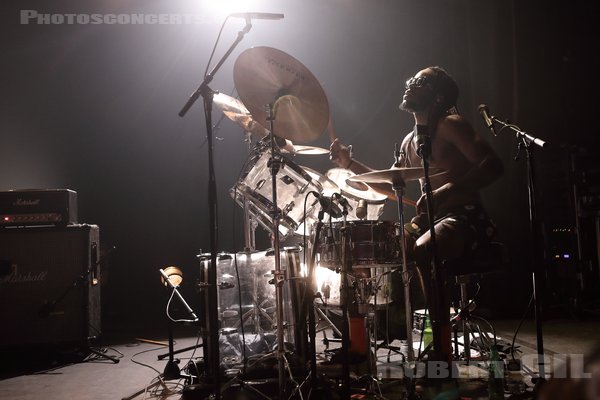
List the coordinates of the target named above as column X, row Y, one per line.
column 419, row 82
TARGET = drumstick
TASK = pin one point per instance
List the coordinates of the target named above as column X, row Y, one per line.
column 409, row 202
column 332, row 136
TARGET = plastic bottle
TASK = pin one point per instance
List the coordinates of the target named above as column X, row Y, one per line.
column 427, row 333
column 496, row 376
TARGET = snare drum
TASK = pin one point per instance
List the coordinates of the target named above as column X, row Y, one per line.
column 367, row 243
column 292, row 183
column 356, row 192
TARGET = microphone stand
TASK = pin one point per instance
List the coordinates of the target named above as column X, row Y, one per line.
column 309, row 299
column 440, row 315
column 90, row 276
column 538, row 282
column 346, row 299
column 211, row 329
column 171, row 370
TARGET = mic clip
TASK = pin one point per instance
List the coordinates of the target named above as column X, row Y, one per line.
column 328, row 205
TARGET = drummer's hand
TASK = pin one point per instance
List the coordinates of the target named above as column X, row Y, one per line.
column 339, row 154
column 441, row 196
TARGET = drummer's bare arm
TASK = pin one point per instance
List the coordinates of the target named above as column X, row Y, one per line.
column 341, row 156
column 487, row 167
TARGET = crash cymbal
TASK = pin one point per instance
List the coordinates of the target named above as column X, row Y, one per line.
column 394, row 175
column 264, row 75
column 236, row 111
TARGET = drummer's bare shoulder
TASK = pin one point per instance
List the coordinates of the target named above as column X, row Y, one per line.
column 457, row 130
column 485, row 165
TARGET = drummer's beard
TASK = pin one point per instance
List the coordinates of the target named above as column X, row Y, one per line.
column 416, row 104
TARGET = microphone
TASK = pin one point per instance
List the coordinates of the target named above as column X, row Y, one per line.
column 487, row 118
column 423, row 145
column 328, row 205
column 255, row 15
column 361, row 209
column 397, row 153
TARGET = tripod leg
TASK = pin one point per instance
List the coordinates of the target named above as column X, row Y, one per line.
column 103, row 355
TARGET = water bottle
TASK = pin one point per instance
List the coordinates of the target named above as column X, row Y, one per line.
column 427, row 333
column 496, row 376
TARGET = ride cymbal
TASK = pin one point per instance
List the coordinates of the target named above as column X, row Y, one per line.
column 264, row 75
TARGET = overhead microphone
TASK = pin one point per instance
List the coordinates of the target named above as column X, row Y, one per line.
column 256, row 15
column 487, row 118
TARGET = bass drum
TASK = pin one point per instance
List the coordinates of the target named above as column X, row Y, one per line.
column 246, row 298
column 369, row 286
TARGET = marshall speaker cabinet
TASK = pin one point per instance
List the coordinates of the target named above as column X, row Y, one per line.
column 49, row 284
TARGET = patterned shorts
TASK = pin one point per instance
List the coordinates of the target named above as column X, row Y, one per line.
column 481, row 229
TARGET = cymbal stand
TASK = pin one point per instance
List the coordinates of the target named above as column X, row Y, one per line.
column 309, row 302
column 275, row 163
column 399, row 192
column 346, row 298
column 211, row 328
column 249, row 221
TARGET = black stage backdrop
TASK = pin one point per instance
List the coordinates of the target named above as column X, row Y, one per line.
column 93, row 108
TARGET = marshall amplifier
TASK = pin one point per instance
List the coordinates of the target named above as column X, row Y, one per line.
column 38, row 207
column 49, row 284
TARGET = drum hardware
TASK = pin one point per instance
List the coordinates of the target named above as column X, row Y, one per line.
column 397, row 177
column 294, row 98
column 250, row 222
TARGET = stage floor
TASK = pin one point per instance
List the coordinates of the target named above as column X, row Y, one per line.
column 58, row 374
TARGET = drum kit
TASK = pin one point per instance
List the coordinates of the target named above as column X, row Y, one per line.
column 351, row 254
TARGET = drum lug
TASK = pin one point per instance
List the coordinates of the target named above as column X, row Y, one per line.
column 278, row 278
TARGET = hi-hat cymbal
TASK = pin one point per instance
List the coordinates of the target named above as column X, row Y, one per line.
column 357, row 190
column 264, row 75
column 394, row 175
column 236, row 111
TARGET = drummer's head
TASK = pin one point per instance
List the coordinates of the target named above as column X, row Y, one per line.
column 431, row 87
